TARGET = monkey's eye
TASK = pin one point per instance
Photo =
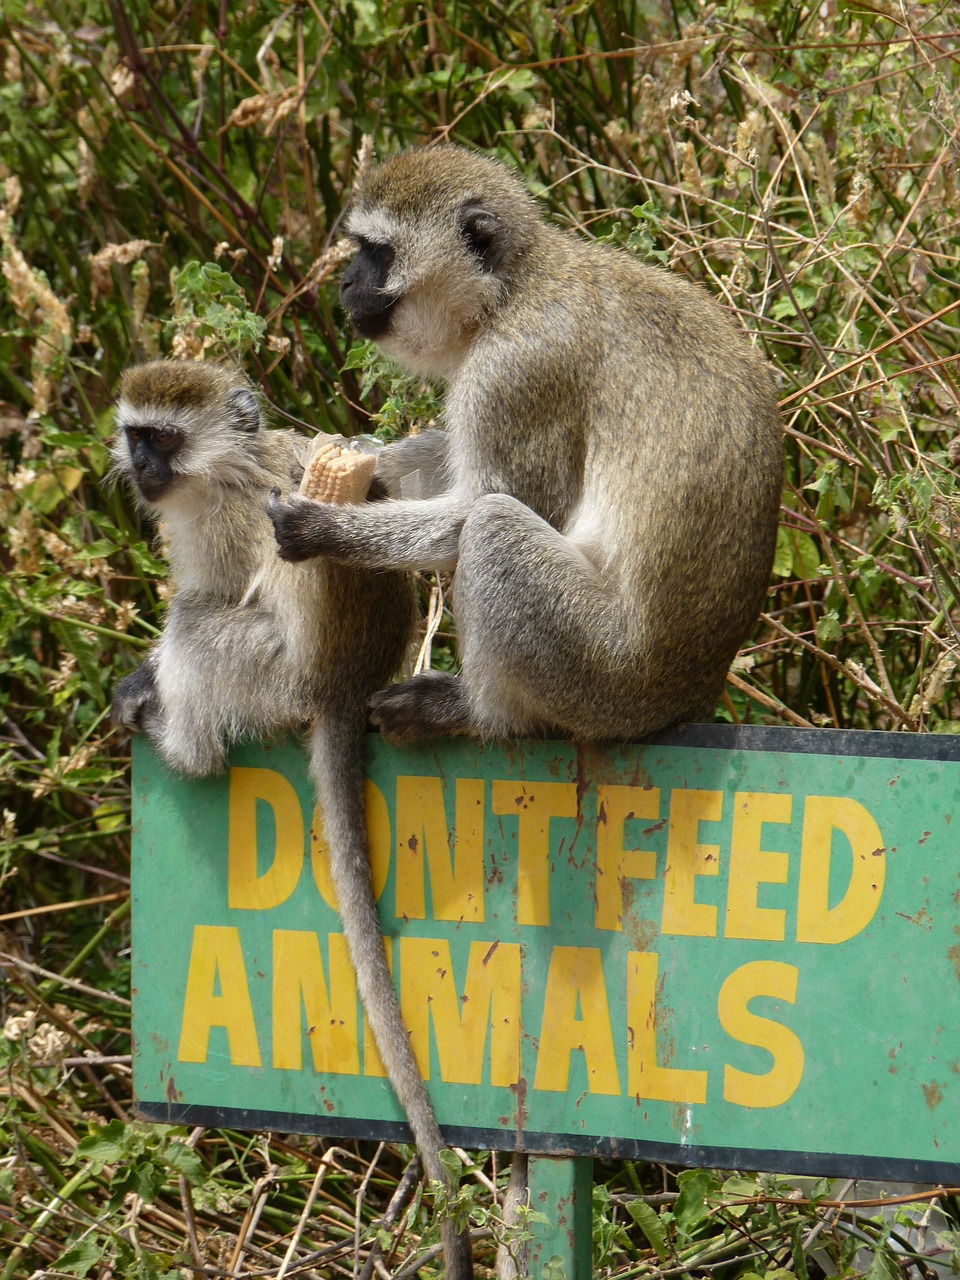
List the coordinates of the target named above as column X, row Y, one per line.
column 166, row 439
column 380, row 253
column 163, row 439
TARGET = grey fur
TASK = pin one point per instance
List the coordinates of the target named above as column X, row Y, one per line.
column 613, row 460
column 254, row 647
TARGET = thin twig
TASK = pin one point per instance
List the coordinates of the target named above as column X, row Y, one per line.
column 62, row 906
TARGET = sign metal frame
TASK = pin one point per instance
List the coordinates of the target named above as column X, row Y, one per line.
column 908, row 784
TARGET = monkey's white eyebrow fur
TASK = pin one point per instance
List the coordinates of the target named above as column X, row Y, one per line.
column 126, row 414
column 373, row 224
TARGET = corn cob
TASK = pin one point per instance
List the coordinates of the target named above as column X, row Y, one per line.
column 334, row 474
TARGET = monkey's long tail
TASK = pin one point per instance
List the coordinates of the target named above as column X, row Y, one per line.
column 337, row 769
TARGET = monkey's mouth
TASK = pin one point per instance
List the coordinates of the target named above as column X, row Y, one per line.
column 153, row 491
column 373, row 323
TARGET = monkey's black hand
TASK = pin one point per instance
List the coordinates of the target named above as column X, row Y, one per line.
column 301, row 526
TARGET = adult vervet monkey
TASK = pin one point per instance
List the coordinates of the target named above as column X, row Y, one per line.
column 610, row 466
column 253, row 647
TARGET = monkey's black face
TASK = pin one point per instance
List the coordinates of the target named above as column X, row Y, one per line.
column 152, row 450
column 363, row 291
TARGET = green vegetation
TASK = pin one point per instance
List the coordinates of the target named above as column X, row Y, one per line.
column 171, row 178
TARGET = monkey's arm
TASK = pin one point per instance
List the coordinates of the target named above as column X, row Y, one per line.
column 418, row 462
column 394, row 534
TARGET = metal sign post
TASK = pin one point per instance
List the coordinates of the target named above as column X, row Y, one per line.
column 729, row 947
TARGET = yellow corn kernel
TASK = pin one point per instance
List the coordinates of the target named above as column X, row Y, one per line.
column 334, row 474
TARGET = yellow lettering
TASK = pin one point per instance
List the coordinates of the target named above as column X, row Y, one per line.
column 216, row 959
column 246, row 889
column 778, row 981
column 575, row 986
column 751, row 866
column 455, row 864
column 534, row 804
column 646, row 1078
column 615, row 864
column 378, row 846
column 491, row 998
column 817, row 921
column 686, row 860
column 299, row 984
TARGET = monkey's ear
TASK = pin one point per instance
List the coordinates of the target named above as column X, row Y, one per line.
column 484, row 233
column 242, row 403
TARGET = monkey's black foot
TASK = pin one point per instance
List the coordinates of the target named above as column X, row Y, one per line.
column 431, row 705
column 300, row 526
column 135, row 700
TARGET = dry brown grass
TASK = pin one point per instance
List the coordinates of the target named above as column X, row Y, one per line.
column 799, row 159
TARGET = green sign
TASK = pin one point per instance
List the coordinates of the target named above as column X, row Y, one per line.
column 730, row 947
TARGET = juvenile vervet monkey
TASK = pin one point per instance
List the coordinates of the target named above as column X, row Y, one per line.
column 612, row 461
column 254, row 647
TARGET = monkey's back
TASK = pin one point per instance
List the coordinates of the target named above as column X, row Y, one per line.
column 624, row 407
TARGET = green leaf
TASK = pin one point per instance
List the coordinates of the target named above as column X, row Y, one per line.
column 203, row 281
column 821, row 1190
column 109, row 816
column 651, row 1224
column 806, row 556
column 96, row 550
column 369, row 19
column 796, row 555
column 108, row 1145
column 144, row 1179
column 358, row 357
column 88, row 652
column 828, row 483
column 799, row 1257
column 882, row 1265
column 451, row 1162
column 80, row 1257
column 829, row 630
column 802, row 296
column 691, row 1208
column 521, row 81
column 783, row 556
column 740, row 1188
column 183, row 1159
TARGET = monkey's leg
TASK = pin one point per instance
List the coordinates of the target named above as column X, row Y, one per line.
column 544, row 641
column 192, row 739
column 176, row 719
column 206, row 668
